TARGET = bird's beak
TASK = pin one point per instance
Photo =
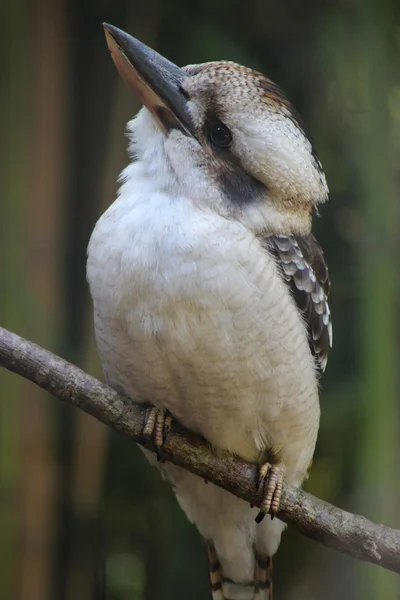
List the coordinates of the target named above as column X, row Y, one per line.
column 152, row 78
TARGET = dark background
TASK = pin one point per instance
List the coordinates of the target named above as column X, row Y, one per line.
column 82, row 515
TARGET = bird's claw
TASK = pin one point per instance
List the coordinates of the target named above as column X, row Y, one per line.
column 157, row 425
column 271, row 477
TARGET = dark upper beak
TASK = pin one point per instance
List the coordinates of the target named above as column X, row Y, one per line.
column 152, row 78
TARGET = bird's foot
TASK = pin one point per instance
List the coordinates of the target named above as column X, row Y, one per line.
column 157, row 425
column 271, row 477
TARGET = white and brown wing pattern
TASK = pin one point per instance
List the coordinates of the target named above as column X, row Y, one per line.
column 302, row 264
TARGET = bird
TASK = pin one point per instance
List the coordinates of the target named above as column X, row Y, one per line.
column 211, row 294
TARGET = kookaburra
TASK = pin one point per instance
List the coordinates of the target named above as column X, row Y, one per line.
column 210, row 292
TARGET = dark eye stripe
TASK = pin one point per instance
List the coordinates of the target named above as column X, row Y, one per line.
column 238, row 186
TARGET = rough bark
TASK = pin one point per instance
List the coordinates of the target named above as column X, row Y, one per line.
column 346, row 532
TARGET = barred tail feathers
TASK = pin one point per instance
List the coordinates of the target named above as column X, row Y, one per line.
column 215, row 573
column 224, row 588
column 263, row 578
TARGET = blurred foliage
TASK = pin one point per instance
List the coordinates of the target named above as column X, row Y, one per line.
column 82, row 515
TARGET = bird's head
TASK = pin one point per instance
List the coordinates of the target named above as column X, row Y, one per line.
column 226, row 134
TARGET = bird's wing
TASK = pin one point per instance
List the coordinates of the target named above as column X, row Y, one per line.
column 302, row 265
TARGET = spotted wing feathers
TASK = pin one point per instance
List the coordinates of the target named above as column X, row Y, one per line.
column 301, row 262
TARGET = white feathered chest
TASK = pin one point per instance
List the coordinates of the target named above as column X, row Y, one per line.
column 192, row 314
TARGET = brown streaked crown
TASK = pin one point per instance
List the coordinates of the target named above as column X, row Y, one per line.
column 222, row 79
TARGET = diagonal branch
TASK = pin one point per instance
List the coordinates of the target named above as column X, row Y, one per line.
column 346, row 532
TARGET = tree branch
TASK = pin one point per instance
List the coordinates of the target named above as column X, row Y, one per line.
column 346, row 532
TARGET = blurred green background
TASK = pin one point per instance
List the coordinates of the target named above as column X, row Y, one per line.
column 82, row 515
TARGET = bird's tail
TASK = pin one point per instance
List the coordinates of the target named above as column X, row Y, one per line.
column 263, row 578
column 225, row 589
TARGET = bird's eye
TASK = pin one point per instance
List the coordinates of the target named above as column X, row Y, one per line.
column 219, row 135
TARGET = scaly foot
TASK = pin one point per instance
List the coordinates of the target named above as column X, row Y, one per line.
column 157, row 425
column 271, row 478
